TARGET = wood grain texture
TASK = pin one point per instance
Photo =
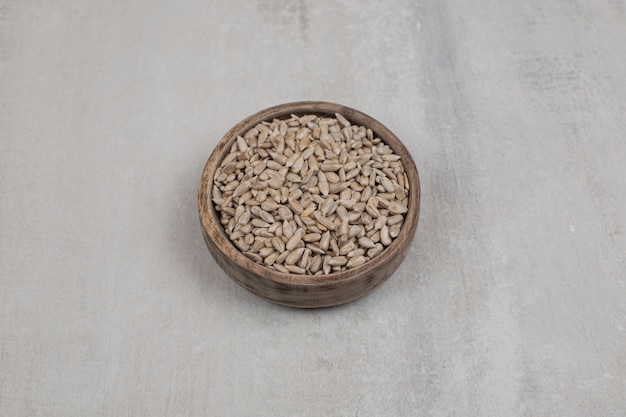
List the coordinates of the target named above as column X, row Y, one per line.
column 298, row 290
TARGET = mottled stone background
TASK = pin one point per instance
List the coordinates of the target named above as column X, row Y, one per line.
column 512, row 301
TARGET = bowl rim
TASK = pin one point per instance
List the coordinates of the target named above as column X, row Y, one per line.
column 213, row 229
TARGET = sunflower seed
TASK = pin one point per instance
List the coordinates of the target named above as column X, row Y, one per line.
column 241, row 144
column 386, row 182
column 255, row 257
column 229, row 168
column 380, row 222
column 356, row 252
column 292, row 159
column 334, row 246
column 330, row 166
column 241, row 188
column 385, row 238
column 342, row 120
column 289, row 227
column 354, row 231
column 366, row 242
column 395, row 207
column 278, row 244
column 315, row 249
column 295, row 239
column 312, row 237
column 344, row 228
column 304, row 260
column 244, row 218
column 326, row 206
column 306, row 212
column 325, row 241
column 338, row 261
column 284, row 213
column 294, row 256
column 265, row 251
column 375, row 250
column 295, row 269
column 259, row 223
column 400, row 192
column 306, row 200
column 342, row 212
column 327, row 223
column 295, row 206
column 356, row 261
column 347, row 248
column 372, row 210
column 398, row 218
column 275, row 183
column 332, row 177
column 269, row 205
column 326, row 265
column 315, row 264
column 281, row 258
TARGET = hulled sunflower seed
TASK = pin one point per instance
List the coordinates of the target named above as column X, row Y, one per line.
column 295, row 239
column 326, row 265
column 295, row 269
column 312, row 237
column 330, row 166
column 375, row 250
column 255, row 257
column 315, row 264
column 356, row 252
column 385, row 238
column 278, row 244
column 366, row 242
column 356, row 261
column 294, row 256
column 325, row 241
column 387, row 184
column 396, row 207
column 338, row 261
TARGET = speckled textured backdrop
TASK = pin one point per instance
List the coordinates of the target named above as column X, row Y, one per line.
column 512, row 301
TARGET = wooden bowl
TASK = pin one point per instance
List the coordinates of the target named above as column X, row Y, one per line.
column 296, row 290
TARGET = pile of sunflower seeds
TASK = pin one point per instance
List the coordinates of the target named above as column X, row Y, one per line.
column 311, row 194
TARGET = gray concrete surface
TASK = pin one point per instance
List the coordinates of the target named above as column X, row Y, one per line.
column 512, row 301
